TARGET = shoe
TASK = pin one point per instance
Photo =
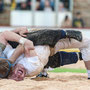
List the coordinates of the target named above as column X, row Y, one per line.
column 42, row 75
column 74, row 34
column 88, row 78
column 80, row 56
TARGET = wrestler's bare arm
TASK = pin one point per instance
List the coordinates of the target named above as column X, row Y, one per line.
column 32, row 53
column 18, row 51
column 10, row 36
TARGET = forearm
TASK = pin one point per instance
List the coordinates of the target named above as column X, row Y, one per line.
column 18, row 51
column 11, row 36
column 32, row 53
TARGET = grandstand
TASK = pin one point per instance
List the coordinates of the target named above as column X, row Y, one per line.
column 12, row 16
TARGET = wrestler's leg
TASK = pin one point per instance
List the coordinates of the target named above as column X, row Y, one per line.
column 86, row 58
column 63, row 58
column 87, row 65
column 60, row 59
column 51, row 37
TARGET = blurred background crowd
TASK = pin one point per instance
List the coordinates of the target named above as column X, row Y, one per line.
column 52, row 13
column 40, row 4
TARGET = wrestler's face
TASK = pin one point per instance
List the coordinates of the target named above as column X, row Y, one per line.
column 18, row 72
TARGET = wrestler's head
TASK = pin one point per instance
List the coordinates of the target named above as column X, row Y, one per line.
column 5, row 67
column 25, row 67
column 17, row 73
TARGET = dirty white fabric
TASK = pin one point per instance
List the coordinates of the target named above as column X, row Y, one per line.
column 84, row 46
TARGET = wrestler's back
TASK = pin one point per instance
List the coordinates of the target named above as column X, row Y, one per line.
column 43, row 52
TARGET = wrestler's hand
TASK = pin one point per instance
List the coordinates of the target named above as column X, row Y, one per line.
column 28, row 46
column 22, row 31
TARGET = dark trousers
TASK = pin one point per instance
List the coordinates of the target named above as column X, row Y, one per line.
column 62, row 58
column 44, row 37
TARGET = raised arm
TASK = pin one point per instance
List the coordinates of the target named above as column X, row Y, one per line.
column 18, row 51
column 11, row 36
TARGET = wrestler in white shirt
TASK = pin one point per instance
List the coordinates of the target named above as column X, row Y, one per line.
column 28, row 66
